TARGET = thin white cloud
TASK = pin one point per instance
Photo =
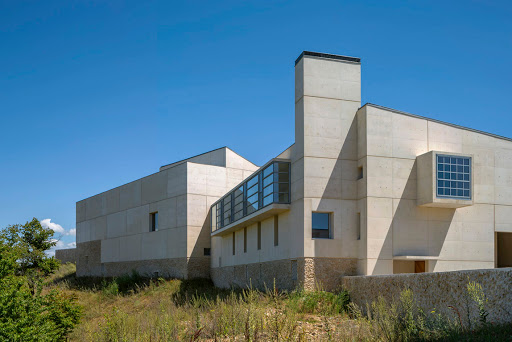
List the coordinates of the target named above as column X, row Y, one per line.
column 71, row 245
column 57, row 228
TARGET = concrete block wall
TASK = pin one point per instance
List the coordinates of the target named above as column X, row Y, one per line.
column 323, row 176
column 119, row 219
column 327, row 95
column 462, row 238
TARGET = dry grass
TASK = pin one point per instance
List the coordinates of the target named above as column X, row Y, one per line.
column 132, row 308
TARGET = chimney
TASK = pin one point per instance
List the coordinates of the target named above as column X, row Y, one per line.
column 327, row 97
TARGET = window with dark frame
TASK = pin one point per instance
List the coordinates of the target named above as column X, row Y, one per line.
column 234, row 243
column 245, row 239
column 269, row 185
column 153, row 221
column 360, row 173
column 259, row 235
column 321, row 225
column 207, row 252
column 358, row 223
column 453, row 177
column 276, row 230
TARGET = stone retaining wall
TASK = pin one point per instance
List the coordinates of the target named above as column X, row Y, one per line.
column 66, row 255
column 440, row 290
column 88, row 259
column 287, row 274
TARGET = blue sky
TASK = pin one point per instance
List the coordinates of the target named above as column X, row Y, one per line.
column 94, row 94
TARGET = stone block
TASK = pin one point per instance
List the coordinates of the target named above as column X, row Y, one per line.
column 95, row 206
column 154, row 187
column 137, row 220
column 154, row 245
column 116, row 224
column 130, row 195
column 130, row 247
column 80, row 211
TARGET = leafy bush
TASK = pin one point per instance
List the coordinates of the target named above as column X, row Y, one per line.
column 26, row 314
column 319, row 302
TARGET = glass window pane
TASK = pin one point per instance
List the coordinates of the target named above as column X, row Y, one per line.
column 268, row 180
column 252, row 181
column 252, row 199
column 268, row 190
column 252, row 190
column 459, row 175
column 320, row 234
column 320, row 220
column 283, row 167
column 283, row 177
column 268, row 170
column 283, row 198
column 284, row 187
column 269, row 199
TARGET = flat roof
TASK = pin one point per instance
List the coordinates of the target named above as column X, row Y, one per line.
column 328, row 56
column 437, row 121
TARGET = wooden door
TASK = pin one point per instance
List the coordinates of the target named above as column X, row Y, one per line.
column 419, row 266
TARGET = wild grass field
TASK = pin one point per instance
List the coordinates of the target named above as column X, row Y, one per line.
column 133, row 308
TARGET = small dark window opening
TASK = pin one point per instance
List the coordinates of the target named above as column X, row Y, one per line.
column 245, row 240
column 153, row 218
column 259, row 235
column 321, row 224
column 207, row 252
column 360, row 172
column 358, row 223
column 276, row 230
column 233, row 243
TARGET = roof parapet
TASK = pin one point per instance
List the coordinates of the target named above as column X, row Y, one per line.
column 328, row 56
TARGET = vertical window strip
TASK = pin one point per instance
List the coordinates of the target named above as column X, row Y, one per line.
column 259, row 235
column 245, row 239
column 270, row 185
column 276, row 230
column 234, row 243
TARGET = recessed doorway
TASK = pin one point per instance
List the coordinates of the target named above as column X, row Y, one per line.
column 504, row 249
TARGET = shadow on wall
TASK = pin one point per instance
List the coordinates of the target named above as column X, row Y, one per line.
column 344, row 184
column 203, row 239
column 414, row 230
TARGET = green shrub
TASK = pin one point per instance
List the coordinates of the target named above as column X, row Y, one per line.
column 26, row 313
column 319, row 302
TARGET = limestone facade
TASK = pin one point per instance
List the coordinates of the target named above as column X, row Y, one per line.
column 371, row 170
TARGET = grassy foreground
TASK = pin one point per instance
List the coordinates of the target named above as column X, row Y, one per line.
column 133, row 308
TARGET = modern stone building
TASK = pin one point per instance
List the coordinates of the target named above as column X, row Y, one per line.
column 364, row 190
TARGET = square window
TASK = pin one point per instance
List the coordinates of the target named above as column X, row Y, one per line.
column 321, row 226
column 457, row 170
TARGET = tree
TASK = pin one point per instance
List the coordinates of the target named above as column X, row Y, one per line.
column 26, row 313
